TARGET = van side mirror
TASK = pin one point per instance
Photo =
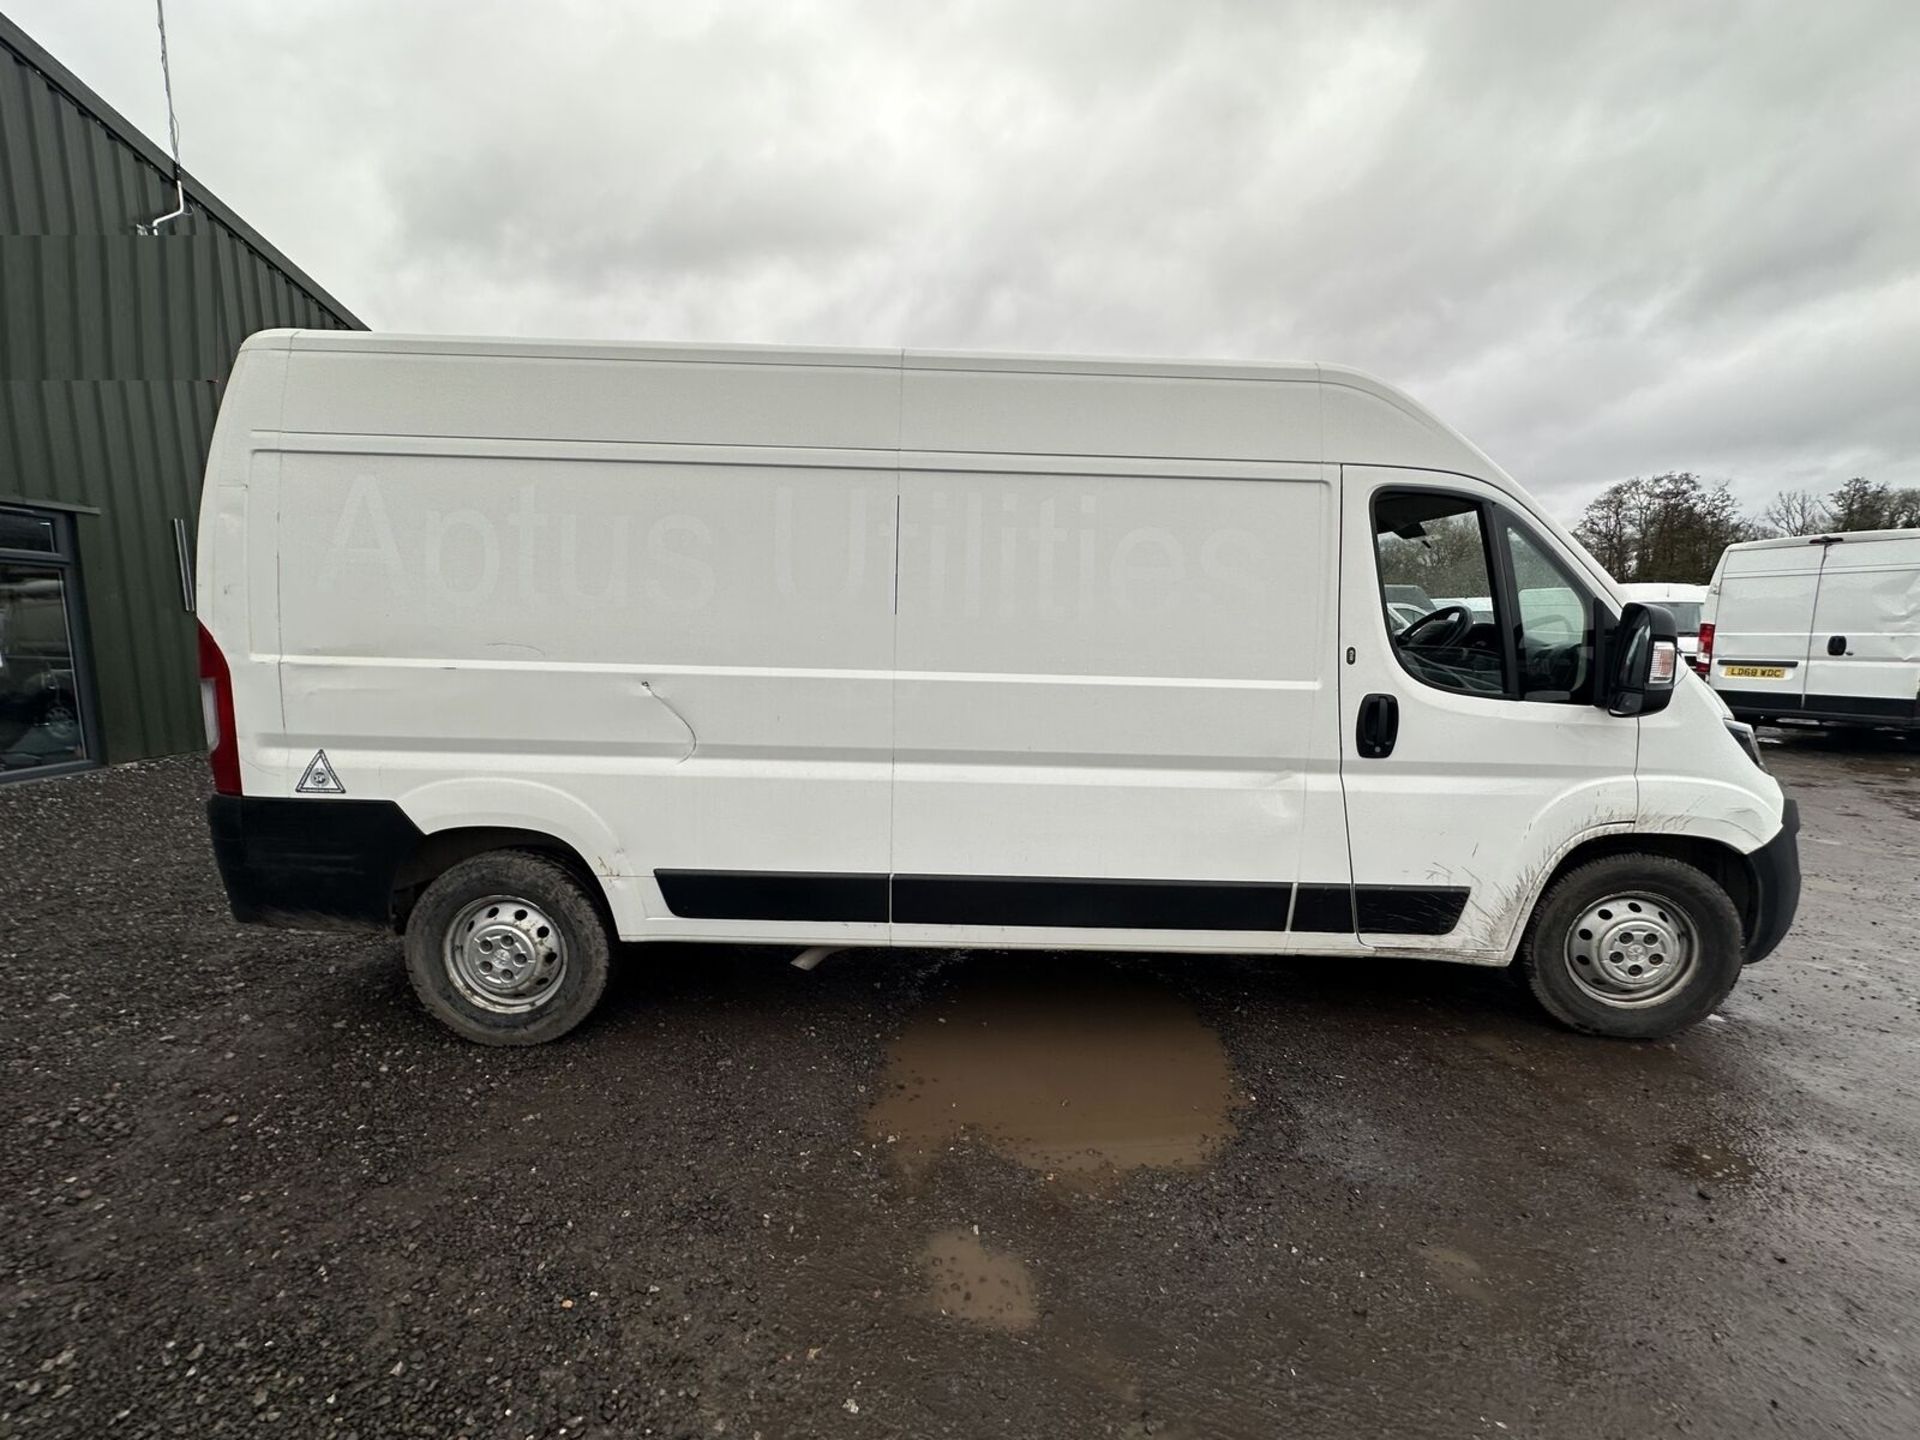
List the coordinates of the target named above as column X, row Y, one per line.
column 1643, row 656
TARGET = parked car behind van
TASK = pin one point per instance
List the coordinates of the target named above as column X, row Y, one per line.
column 523, row 648
column 1820, row 628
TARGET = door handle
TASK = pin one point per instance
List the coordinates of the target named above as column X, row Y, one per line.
column 1379, row 726
column 1836, row 645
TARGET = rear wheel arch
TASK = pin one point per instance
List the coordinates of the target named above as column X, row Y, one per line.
column 441, row 850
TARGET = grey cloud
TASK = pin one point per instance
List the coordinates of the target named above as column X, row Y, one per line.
column 1604, row 239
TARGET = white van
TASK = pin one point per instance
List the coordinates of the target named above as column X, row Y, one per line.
column 1685, row 603
column 1822, row 628
column 524, row 648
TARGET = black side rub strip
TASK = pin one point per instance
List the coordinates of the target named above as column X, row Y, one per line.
column 1323, row 910
column 1059, row 902
column 773, row 895
column 1093, row 904
column 1409, row 909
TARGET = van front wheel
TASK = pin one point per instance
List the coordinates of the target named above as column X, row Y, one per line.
column 1634, row 946
column 506, row 948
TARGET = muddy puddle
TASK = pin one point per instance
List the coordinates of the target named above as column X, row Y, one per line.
column 1457, row 1271
column 1082, row 1076
column 968, row 1280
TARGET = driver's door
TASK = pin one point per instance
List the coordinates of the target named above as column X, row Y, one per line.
column 1496, row 760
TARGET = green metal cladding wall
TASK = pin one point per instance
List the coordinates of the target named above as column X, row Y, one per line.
column 113, row 351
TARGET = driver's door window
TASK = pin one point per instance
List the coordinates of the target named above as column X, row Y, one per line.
column 1437, row 590
column 1554, row 644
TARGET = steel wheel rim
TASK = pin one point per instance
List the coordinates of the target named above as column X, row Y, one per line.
column 505, row 954
column 1632, row 950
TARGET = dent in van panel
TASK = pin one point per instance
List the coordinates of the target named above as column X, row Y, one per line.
column 699, row 654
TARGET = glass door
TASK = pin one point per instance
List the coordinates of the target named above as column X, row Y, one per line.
column 43, row 722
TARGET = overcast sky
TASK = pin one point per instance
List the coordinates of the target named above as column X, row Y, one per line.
column 1602, row 238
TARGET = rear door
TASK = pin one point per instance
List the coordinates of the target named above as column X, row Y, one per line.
column 1472, row 754
column 1761, row 625
column 1864, row 659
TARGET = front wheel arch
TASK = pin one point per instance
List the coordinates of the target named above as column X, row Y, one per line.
column 1649, row 914
column 1725, row 866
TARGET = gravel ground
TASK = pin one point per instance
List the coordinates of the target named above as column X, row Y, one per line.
column 245, row 1182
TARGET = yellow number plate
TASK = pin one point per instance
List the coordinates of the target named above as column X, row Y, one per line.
column 1755, row 672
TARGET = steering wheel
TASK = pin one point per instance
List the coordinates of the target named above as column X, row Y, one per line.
column 1449, row 626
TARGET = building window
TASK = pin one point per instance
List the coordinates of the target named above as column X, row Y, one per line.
column 43, row 721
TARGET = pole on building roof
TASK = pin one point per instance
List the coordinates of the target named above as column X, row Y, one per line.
column 152, row 227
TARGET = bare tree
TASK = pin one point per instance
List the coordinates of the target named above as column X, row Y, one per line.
column 1610, row 527
column 1796, row 512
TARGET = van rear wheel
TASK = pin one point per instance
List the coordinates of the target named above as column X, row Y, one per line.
column 1634, row 946
column 507, row 948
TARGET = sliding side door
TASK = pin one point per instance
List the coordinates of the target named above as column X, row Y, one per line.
column 1106, row 699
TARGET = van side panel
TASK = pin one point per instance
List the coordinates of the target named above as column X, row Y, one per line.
column 1021, row 413
column 1106, row 709
column 666, row 659
column 538, row 397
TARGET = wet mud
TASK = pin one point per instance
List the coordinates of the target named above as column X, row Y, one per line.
column 967, row 1280
column 1022, row 1063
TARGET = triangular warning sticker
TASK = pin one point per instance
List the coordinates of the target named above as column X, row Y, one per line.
column 320, row 779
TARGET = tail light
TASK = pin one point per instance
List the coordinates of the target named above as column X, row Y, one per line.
column 216, row 710
column 1703, row 658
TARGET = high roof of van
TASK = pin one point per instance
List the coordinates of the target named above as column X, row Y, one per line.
column 946, row 401
column 372, row 342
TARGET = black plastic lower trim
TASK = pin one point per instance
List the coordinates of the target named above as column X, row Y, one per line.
column 1090, row 904
column 773, row 895
column 1409, row 909
column 310, row 862
column 1879, row 709
column 1061, row 902
column 1776, row 873
column 1323, row 910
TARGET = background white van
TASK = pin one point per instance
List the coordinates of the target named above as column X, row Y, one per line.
column 1685, row 603
column 524, row 647
column 1819, row 628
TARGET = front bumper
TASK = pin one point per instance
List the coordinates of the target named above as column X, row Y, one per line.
column 1776, row 885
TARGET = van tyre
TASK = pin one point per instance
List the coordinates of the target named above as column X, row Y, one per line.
column 1632, row 946
column 507, row 948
